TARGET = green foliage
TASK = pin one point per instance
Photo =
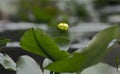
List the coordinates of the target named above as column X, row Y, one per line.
column 38, row 42
column 44, row 45
column 3, row 42
column 59, row 60
column 91, row 55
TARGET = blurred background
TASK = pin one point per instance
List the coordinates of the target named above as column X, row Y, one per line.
column 45, row 11
column 85, row 18
column 81, row 15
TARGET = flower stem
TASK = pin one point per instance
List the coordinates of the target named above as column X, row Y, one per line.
column 56, row 73
column 51, row 72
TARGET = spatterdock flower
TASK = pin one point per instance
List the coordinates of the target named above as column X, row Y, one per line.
column 63, row 26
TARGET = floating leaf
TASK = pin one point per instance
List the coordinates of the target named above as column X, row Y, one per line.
column 91, row 55
column 26, row 65
column 7, row 62
column 100, row 68
column 45, row 63
column 38, row 42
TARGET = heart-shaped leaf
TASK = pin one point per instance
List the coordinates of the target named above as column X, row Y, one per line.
column 37, row 41
column 91, row 55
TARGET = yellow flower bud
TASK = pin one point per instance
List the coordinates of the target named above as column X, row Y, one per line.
column 63, row 26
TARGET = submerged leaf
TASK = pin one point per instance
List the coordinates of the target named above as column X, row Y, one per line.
column 38, row 42
column 91, row 55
